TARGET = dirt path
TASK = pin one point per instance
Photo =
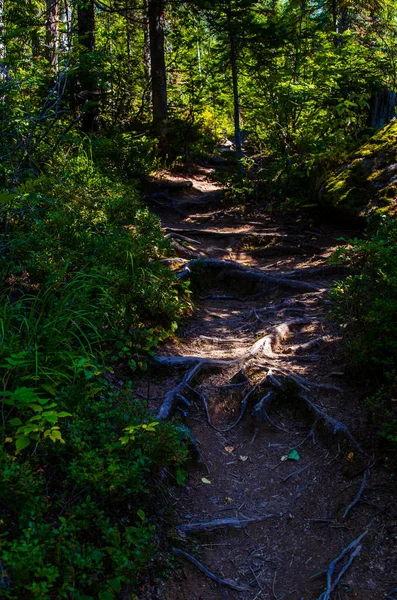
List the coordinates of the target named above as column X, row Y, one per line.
column 257, row 374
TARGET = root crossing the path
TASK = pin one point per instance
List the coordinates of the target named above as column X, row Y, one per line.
column 285, row 476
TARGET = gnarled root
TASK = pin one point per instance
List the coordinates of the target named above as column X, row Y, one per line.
column 353, row 549
column 229, row 272
column 264, row 346
column 219, row 580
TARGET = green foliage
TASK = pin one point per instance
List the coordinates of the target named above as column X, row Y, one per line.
column 125, row 156
column 366, row 305
column 84, row 302
column 72, row 518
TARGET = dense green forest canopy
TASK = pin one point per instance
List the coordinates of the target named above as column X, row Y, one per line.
column 297, row 76
column 94, row 96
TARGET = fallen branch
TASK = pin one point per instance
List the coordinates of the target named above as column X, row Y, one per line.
column 357, row 496
column 355, row 549
column 233, row 585
column 216, row 524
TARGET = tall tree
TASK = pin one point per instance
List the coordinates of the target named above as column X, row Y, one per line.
column 52, row 16
column 88, row 79
column 156, row 19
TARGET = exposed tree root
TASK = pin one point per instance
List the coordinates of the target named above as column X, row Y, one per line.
column 184, row 238
column 207, row 232
column 254, row 281
column 263, row 346
column 260, row 413
column 243, row 408
column 283, row 250
column 175, row 260
column 357, row 496
column 322, row 271
column 216, row 524
column 329, row 423
column 233, row 585
column 183, row 252
column 202, row 200
column 164, row 201
column 173, row 396
column 171, row 185
column 299, row 348
column 280, row 333
column 354, row 548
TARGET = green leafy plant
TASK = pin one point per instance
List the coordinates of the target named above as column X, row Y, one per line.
column 366, row 306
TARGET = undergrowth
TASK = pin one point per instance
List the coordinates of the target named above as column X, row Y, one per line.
column 84, row 302
column 366, row 305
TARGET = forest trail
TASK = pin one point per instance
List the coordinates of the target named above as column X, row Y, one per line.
column 285, row 480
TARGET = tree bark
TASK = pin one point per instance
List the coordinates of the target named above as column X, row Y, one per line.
column 382, row 108
column 236, row 98
column 88, row 81
column 158, row 72
column 51, row 27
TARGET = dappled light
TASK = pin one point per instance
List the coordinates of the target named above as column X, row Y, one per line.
column 198, row 258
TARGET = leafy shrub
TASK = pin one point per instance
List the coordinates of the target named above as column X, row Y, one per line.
column 367, row 300
column 127, row 156
column 366, row 304
column 84, row 301
column 72, row 518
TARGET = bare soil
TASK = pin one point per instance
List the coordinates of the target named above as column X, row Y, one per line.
column 320, row 489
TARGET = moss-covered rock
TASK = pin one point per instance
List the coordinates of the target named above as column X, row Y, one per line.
column 367, row 182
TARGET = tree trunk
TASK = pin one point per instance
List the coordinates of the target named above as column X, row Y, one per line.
column 88, row 81
column 51, row 29
column 158, row 72
column 236, row 99
column 3, row 68
column 382, row 108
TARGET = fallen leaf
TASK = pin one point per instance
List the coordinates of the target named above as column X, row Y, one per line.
column 243, row 458
column 205, row 480
column 228, row 499
column 293, row 455
column 350, row 456
column 229, row 449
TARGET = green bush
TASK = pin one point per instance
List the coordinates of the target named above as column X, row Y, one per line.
column 84, row 302
column 73, row 516
column 366, row 305
column 367, row 299
column 125, row 156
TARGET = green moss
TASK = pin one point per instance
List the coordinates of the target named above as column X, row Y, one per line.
column 366, row 183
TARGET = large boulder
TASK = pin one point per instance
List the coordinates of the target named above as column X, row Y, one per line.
column 367, row 182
